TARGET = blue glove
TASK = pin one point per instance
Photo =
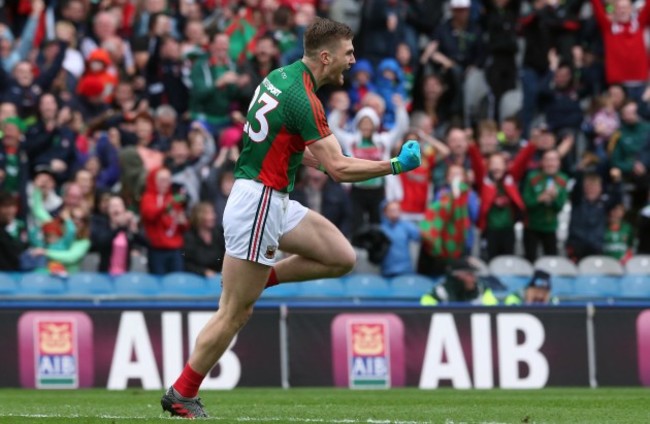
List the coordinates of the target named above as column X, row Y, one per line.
column 408, row 159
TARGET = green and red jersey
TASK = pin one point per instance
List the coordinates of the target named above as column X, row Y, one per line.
column 284, row 116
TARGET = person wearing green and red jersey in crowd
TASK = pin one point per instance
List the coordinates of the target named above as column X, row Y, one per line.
column 545, row 194
column 619, row 237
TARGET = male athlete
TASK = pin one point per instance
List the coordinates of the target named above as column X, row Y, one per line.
column 286, row 126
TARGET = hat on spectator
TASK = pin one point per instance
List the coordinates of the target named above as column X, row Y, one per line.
column 367, row 112
column 461, row 264
column 541, row 280
column 44, row 169
column 16, row 121
column 459, row 4
column 362, row 65
column 230, row 137
column 52, row 227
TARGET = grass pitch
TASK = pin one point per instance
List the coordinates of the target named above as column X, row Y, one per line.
column 398, row 406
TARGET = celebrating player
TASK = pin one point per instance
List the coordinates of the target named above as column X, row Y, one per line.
column 286, row 126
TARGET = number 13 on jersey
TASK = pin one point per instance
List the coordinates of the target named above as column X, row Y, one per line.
column 268, row 104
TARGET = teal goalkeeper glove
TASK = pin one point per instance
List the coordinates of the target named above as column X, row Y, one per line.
column 408, row 159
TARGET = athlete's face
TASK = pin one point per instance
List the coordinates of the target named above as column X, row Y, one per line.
column 342, row 59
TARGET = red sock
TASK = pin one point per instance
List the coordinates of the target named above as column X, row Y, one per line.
column 188, row 383
column 273, row 279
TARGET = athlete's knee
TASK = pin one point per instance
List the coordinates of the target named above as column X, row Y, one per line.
column 344, row 261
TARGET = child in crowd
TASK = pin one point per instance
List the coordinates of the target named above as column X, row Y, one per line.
column 389, row 83
column 362, row 74
column 401, row 233
column 619, row 236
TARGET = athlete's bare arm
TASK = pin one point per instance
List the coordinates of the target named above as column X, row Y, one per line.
column 342, row 168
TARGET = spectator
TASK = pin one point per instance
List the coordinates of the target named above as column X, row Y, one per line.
column 536, row 27
column 404, row 57
column 545, row 193
column 14, row 168
column 99, row 79
column 104, row 36
column 444, row 227
column 401, row 233
column 43, row 190
column 559, row 97
column 379, row 21
column 215, row 84
column 602, row 125
column 623, row 37
column 416, row 188
column 537, row 291
column 187, row 164
column 629, row 150
column 458, row 48
column 369, row 143
column 501, row 202
column 11, row 247
column 362, row 75
column 590, row 208
column 500, row 26
column 11, row 51
column 204, row 244
column 510, row 137
column 216, row 188
column 264, row 60
column 49, row 142
column 84, row 179
column 390, row 83
column 488, row 141
column 67, row 261
column 461, row 284
column 164, row 75
column 23, row 89
column 432, row 96
column 115, row 239
column 456, row 140
column 164, row 222
column 619, row 237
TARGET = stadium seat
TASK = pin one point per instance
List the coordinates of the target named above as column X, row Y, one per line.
column 636, row 286
column 43, row 284
column 283, row 290
column 89, row 283
column 324, row 287
column 366, row 285
column 638, row 265
column 411, row 286
column 510, row 265
column 514, row 282
column 138, row 284
column 600, row 265
column 557, row 265
column 213, row 285
column 563, row 286
column 184, row 284
column 139, row 262
column 7, row 284
column 90, row 262
column 597, row 286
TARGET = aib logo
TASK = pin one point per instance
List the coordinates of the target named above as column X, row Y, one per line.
column 55, row 350
column 368, row 350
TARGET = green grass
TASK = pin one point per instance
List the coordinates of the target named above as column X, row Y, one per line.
column 406, row 406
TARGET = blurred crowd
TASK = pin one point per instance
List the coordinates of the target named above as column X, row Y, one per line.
column 121, row 121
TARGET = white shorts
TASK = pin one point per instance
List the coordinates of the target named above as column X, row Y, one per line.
column 255, row 218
